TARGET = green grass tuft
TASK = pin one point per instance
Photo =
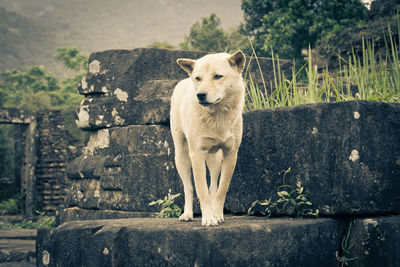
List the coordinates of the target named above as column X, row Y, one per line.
column 365, row 77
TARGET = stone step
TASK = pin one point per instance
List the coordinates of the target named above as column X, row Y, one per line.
column 17, row 247
column 239, row 241
column 23, row 234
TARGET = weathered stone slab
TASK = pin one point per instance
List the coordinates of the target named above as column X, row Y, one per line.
column 125, row 169
column 150, row 106
column 375, row 241
column 131, row 187
column 17, row 247
column 130, row 87
column 16, row 116
column 115, row 79
column 24, row 234
column 346, row 155
column 79, row 214
column 240, row 241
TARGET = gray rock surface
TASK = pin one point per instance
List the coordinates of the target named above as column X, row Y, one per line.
column 17, row 247
column 133, row 87
column 240, row 241
column 375, row 241
column 346, row 155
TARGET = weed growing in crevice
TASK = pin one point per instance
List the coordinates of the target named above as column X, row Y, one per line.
column 345, row 257
column 168, row 207
column 291, row 200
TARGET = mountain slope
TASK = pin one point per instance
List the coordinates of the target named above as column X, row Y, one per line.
column 94, row 25
column 22, row 40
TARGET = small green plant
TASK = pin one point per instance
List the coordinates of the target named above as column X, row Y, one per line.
column 12, row 206
column 43, row 222
column 290, row 199
column 168, row 208
column 345, row 258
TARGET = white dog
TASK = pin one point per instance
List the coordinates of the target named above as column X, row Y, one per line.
column 206, row 126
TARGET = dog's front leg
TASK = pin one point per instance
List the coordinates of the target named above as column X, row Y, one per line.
column 228, row 166
column 199, row 173
column 214, row 161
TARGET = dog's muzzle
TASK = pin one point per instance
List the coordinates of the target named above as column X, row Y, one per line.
column 202, row 99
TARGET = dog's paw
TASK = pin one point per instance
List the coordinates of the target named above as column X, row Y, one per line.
column 219, row 212
column 209, row 221
column 219, row 217
column 186, row 217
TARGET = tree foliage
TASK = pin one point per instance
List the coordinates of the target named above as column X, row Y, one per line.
column 288, row 26
column 208, row 35
column 72, row 58
column 162, row 45
column 37, row 89
column 27, row 89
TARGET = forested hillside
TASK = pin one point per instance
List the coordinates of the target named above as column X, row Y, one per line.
column 23, row 41
column 32, row 30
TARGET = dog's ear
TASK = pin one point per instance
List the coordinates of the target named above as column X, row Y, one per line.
column 237, row 61
column 186, row 64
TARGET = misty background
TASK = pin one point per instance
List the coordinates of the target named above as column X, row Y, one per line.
column 30, row 31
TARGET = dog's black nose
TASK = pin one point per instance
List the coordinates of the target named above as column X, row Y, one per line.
column 201, row 96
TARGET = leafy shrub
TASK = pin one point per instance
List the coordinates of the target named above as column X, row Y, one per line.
column 168, row 208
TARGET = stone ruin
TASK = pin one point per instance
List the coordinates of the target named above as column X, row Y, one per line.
column 128, row 161
column 346, row 155
column 42, row 148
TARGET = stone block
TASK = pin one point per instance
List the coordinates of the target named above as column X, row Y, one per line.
column 346, row 155
column 131, row 187
column 240, row 241
column 375, row 241
column 16, row 116
column 79, row 214
column 128, row 167
column 115, row 87
column 17, row 247
column 23, row 234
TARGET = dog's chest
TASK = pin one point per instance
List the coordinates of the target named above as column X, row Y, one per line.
column 212, row 145
column 218, row 133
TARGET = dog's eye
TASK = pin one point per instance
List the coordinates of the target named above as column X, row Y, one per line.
column 198, row 79
column 218, row 76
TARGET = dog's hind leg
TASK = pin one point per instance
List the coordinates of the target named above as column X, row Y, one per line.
column 183, row 166
column 214, row 161
column 227, row 168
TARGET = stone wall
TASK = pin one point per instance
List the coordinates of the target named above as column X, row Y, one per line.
column 42, row 149
column 128, row 161
column 346, row 156
column 54, row 146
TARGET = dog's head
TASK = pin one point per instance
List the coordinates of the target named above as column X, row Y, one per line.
column 215, row 76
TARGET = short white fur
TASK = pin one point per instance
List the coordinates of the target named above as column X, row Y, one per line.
column 206, row 126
